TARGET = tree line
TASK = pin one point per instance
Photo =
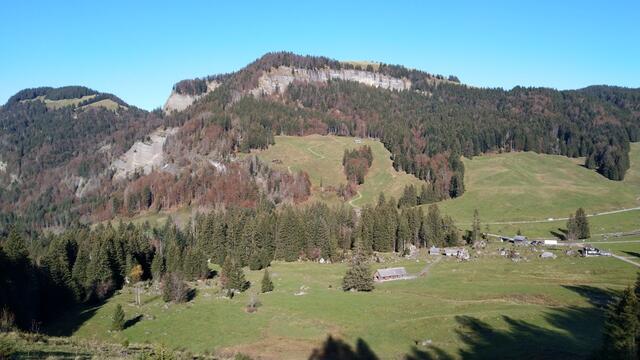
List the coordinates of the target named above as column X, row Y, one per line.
column 88, row 265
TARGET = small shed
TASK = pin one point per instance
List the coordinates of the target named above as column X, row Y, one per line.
column 551, row 242
column 434, row 251
column 390, row 274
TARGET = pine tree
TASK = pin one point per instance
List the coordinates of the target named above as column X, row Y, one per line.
column 621, row 328
column 15, row 248
column 81, row 265
column 582, row 224
column 404, row 233
column 433, row 227
column 267, row 284
column 409, row 197
column 358, row 276
column 289, row 238
column 219, row 239
column 232, row 276
column 157, row 266
column 117, row 321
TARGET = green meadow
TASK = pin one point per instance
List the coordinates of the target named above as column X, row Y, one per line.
column 321, row 157
column 530, row 186
column 456, row 308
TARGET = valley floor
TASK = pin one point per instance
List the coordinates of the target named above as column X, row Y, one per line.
column 483, row 308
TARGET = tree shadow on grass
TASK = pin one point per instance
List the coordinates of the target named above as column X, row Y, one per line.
column 575, row 335
column 568, row 333
column 561, row 234
column 69, row 321
column 597, row 297
column 191, row 294
column 575, row 332
column 632, row 253
column 430, row 353
column 134, row 320
column 336, row 349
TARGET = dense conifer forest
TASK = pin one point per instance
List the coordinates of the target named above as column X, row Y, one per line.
column 84, row 265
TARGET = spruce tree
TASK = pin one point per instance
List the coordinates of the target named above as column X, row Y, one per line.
column 267, row 284
column 433, row 227
column 81, row 265
column 582, row 224
column 219, row 240
column 157, row 266
column 404, row 233
column 358, row 276
column 288, row 239
column 621, row 328
column 14, row 247
column 232, row 276
column 117, row 321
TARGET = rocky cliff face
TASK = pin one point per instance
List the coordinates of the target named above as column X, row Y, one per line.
column 179, row 102
column 144, row 156
column 277, row 80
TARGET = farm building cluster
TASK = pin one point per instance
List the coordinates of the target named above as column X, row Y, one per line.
column 589, row 251
column 458, row 252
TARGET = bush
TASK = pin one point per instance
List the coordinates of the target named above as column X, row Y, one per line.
column 6, row 349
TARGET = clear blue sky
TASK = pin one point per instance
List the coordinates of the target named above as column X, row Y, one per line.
column 138, row 49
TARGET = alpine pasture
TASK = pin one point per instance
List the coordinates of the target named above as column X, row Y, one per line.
column 458, row 308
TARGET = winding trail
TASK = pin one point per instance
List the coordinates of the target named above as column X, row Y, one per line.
column 426, row 268
column 557, row 219
column 354, row 199
column 310, row 148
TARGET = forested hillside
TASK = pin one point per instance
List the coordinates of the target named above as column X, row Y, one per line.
column 429, row 127
column 58, row 144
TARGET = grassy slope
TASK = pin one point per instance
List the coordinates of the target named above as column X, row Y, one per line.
column 321, row 157
column 529, row 186
column 56, row 104
column 492, row 289
column 505, row 187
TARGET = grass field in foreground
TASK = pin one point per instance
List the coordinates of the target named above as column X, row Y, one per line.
column 529, row 186
column 534, row 309
column 321, row 157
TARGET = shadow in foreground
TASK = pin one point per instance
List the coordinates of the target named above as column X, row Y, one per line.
column 70, row 321
column 336, row 349
column 564, row 333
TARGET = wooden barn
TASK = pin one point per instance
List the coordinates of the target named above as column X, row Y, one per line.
column 390, row 274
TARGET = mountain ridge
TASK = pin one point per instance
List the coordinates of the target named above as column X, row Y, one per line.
column 51, row 156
